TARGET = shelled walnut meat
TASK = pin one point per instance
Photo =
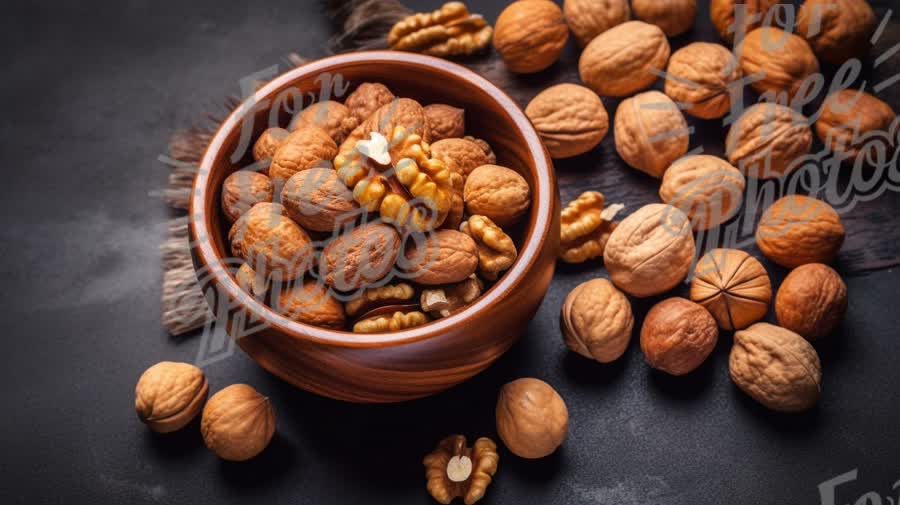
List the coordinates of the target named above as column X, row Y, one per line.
column 585, row 227
column 624, row 59
column 768, row 141
column 673, row 16
column 811, row 301
column 706, row 188
column 496, row 250
column 733, row 286
column 837, row 30
column 589, row 18
column 855, row 124
column 532, row 419
column 784, row 61
column 569, row 118
column 798, row 229
column 596, row 321
column 447, row 32
column 530, row 35
column 444, row 300
column 702, row 76
column 677, row 336
column 650, row 132
column 169, row 395
column 454, row 470
column 733, row 18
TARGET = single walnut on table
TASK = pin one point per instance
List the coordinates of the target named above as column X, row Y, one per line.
column 532, row 419
column 811, row 301
column 596, row 321
column 733, row 18
column 446, row 32
column 782, row 60
column 455, row 470
column 585, row 227
column 677, row 336
column 569, row 118
column 798, row 229
column 169, row 395
column 701, row 77
column 650, row 132
column 837, row 30
column 589, row 18
column 855, row 124
column 624, row 59
column 733, row 286
column 768, row 141
column 673, row 16
column 530, row 35
column 238, row 423
column 706, row 188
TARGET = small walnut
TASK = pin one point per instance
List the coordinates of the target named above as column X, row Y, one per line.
column 440, row 257
column 271, row 243
column 837, row 30
column 317, row 200
column 381, row 296
column 624, row 59
column 367, row 98
column 360, row 257
column 569, row 118
column 456, row 471
column 396, row 321
column 267, row 143
column 169, row 395
column 776, row 367
column 311, row 302
column 706, row 188
column 768, row 141
column 497, row 192
column 532, row 419
column 496, row 251
column 237, row 423
column 811, row 301
column 677, row 336
column 651, row 251
column 530, row 35
column 333, row 117
column 306, row 147
column 485, row 147
column 445, row 121
column 447, row 32
column 739, row 17
column 650, row 132
column 589, row 18
column 242, row 190
column 251, row 282
column 445, row 300
column 701, row 76
column 596, row 321
column 855, row 124
column 797, row 230
column 585, row 227
column 673, row 16
column 733, row 286
column 782, row 60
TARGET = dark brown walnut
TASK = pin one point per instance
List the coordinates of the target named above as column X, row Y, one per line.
column 733, row 286
column 530, row 35
column 333, row 117
column 782, row 60
column 677, row 336
column 447, row 32
column 367, row 98
column 242, row 190
column 701, row 77
column 674, row 17
column 454, row 470
column 381, row 296
column 797, row 230
column 460, row 155
column 768, row 141
column 306, row 147
column 855, row 124
column 837, row 30
column 268, row 142
column 360, row 257
column 441, row 257
column 445, row 121
column 271, row 243
column 570, row 119
column 728, row 22
column 532, row 419
column 811, row 301
column 317, row 200
column 311, row 302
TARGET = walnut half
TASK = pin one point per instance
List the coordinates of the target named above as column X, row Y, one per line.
column 455, row 470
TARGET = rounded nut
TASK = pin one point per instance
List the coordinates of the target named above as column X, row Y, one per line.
column 238, row 423
column 401, row 115
column 169, row 395
column 837, row 30
column 797, row 230
column 530, row 34
column 855, row 124
column 532, row 419
column 673, row 16
column 589, row 18
column 317, row 200
column 360, row 257
column 701, row 77
column 306, row 147
column 268, row 142
column 497, row 192
column 677, row 336
column 242, row 190
column 596, row 321
column 569, row 118
column 367, row 98
column 768, row 141
column 776, row 367
column 333, row 117
column 650, row 251
column 733, row 286
column 271, row 243
column 650, row 132
column 811, row 301
column 445, row 121
column 251, row 282
column 443, row 257
column 783, row 60
column 624, row 59
column 311, row 302
column 706, row 188
column 725, row 13
column 460, row 155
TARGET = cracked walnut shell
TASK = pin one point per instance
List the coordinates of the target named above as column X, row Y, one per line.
column 624, row 59
column 776, row 367
column 797, row 230
column 396, row 321
column 238, row 423
column 367, row 98
column 729, row 21
column 650, row 132
column 497, row 192
column 530, row 35
column 242, row 190
column 496, row 251
column 811, row 301
column 596, row 321
column 837, row 30
column 333, row 117
column 360, row 257
column 446, row 32
column 782, row 60
column 311, row 302
column 768, row 141
column 733, row 286
column 701, row 76
column 306, row 147
column 454, row 470
column 589, row 18
column 706, row 188
column 532, row 419
column 169, row 395
column 443, row 301
column 440, row 257
column 271, row 243
column 585, row 227
column 569, row 118
column 674, row 17
column 677, row 336
column 855, row 125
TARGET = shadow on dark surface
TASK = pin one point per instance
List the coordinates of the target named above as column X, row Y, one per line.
column 597, row 376
column 790, row 428
column 535, row 471
column 177, row 445
column 273, row 464
column 688, row 388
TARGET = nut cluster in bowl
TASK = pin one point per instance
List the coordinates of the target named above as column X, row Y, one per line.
column 373, row 215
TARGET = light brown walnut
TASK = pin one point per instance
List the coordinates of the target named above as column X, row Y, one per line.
column 460, row 155
column 333, row 117
column 701, row 77
column 677, row 336
column 497, row 192
column 706, row 188
column 496, row 250
column 837, row 30
column 811, row 301
column 242, row 190
column 445, row 121
column 440, row 257
column 532, row 419
column 530, row 35
column 569, row 118
column 447, row 32
column 317, row 200
column 268, row 142
column 651, row 132
column 589, row 18
column 454, row 470
column 367, row 98
column 596, row 321
column 728, row 22
column 360, row 257
column 401, row 115
column 585, row 227
column 238, row 423
column 624, row 59
column 310, row 302
column 251, row 282
column 782, row 60
column 485, row 147
column 768, row 141
column 797, row 230
column 855, row 124
column 271, row 243
column 733, row 286
column 306, row 147
column 169, row 395
column 673, row 16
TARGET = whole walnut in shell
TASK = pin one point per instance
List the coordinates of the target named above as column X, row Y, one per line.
column 855, row 124
column 271, row 243
column 360, row 257
column 783, row 60
column 677, row 336
column 445, row 121
column 268, row 142
column 733, row 286
column 238, row 423
column 730, row 21
column 650, row 132
column 532, row 419
column 797, row 230
column 460, row 155
column 242, row 190
column 497, row 192
column 706, row 188
column 530, row 34
column 776, row 367
column 673, row 16
column 811, row 301
column 702, row 76
column 768, row 141
column 596, row 321
column 333, row 117
column 306, row 147
column 624, row 59
column 317, row 200
column 569, row 118
column 443, row 257
column 367, row 98
column 837, row 30
column 310, row 302
column 589, row 18
column 651, row 250
column 169, row 395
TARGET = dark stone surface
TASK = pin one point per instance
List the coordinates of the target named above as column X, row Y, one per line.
column 90, row 95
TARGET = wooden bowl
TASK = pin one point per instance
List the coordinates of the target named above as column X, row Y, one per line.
column 404, row 365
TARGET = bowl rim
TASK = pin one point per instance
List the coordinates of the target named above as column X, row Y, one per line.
column 542, row 201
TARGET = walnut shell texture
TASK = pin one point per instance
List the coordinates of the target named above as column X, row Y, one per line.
column 445, row 121
column 797, row 230
column 673, row 16
column 311, row 302
column 460, row 155
column 650, row 132
column 443, row 257
column 238, row 423
column 530, row 35
column 589, row 18
column 268, row 142
column 271, row 243
column 242, row 190
column 532, row 419
column 728, row 22
column 402, row 114
column 367, row 98
column 783, row 60
column 856, row 124
column 497, row 192
column 811, row 301
column 169, row 395
column 706, row 188
column 776, row 367
column 837, row 30
column 597, row 321
column 624, row 59
column 569, row 118
column 317, row 200
column 306, row 147
column 768, row 141
column 360, row 257
column 701, row 76
column 333, row 117
column 677, row 336
column 733, row 286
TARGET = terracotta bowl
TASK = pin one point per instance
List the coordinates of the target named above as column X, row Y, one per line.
column 399, row 366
